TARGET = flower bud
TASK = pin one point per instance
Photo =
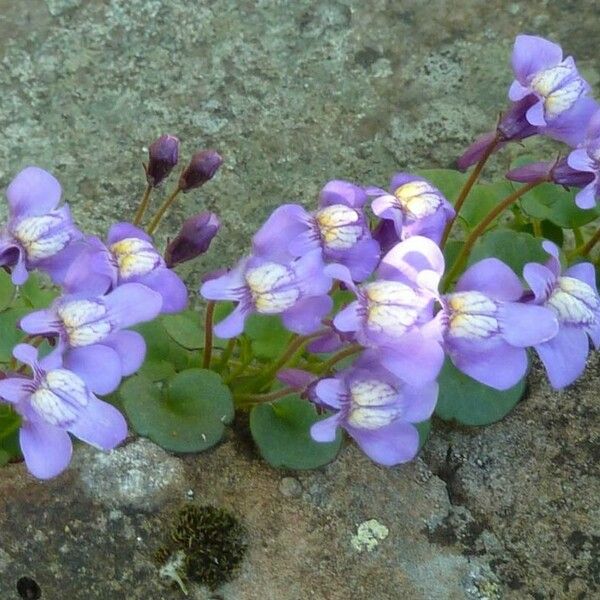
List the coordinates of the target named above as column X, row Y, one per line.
column 558, row 172
column 193, row 238
column 163, row 155
column 202, row 168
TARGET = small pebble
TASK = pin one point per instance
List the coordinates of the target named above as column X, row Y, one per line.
column 290, row 487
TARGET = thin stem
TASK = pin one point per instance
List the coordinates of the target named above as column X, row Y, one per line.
column 270, row 397
column 141, row 210
column 341, row 355
column 154, row 223
column 464, row 192
column 482, row 226
column 587, row 247
column 226, row 354
column 537, row 228
column 208, row 334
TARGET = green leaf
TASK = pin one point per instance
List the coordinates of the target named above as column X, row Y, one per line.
column 37, row 292
column 554, row 203
column 550, row 231
column 268, row 335
column 7, row 290
column 469, row 402
column 282, row 433
column 424, row 429
column 189, row 414
column 9, row 433
column 4, row 457
column 10, row 334
column 186, row 329
column 481, row 200
column 448, row 181
column 514, row 248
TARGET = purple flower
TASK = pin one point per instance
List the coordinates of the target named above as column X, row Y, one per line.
column 57, row 400
column 128, row 257
column 587, row 160
column 390, row 312
column 415, row 207
column 193, row 238
column 377, row 409
column 573, row 298
column 558, row 172
column 338, row 229
column 38, row 235
column 163, row 155
column 556, row 84
column 485, row 329
column 89, row 331
column 201, row 168
column 296, row 290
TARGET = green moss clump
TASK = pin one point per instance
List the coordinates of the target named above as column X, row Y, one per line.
column 208, row 543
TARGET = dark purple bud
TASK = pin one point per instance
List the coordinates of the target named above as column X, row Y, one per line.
column 558, row 172
column 201, row 169
column 163, row 156
column 193, row 238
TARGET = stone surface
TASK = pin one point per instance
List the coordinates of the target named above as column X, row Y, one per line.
column 292, row 94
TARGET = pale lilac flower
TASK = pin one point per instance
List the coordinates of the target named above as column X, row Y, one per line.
column 128, row 257
column 38, row 235
column 90, row 331
column 587, row 160
column 376, row 408
column 296, row 290
column 54, row 402
column 390, row 312
column 415, row 207
column 338, row 229
column 573, row 298
column 561, row 109
column 484, row 327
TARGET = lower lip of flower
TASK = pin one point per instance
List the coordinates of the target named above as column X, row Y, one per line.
column 339, row 226
column 418, row 199
column 272, row 288
column 85, row 322
column 471, row 315
column 372, row 404
column 574, row 302
column 135, row 257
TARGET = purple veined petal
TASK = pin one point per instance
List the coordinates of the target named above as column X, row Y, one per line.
column 233, row 324
column 431, row 227
column 414, row 358
column 341, row 273
column 553, row 263
column 526, row 325
column 170, row 286
column 47, row 449
column 330, row 392
column 133, row 303
column 535, row 115
column 585, row 272
column 420, row 402
column 325, row 430
column 40, row 322
column 342, row 192
column 304, row 242
column 285, row 224
column 19, row 273
column 396, row 443
column 532, row 53
column 540, row 279
column 98, row 365
column 131, row 348
column 58, row 266
column 92, row 271
column 586, row 198
column 517, row 91
column 564, row 356
column 349, row 318
column 14, row 389
column 386, row 207
column 26, row 354
column 230, row 286
column 100, row 425
column 362, row 259
column 306, row 316
column 500, row 367
column 33, row 192
column 570, row 127
column 580, row 160
column 311, row 275
column 493, row 278
column 122, row 231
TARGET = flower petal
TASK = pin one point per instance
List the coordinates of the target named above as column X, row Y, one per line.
column 47, row 449
column 525, row 325
column 121, row 231
column 342, row 192
column 325, row 430
column 233, row 324
column 33, row 192
column 349, row 318
column 14, row 389
column 230, row 286
column 100, row 425
column 85, row 361
column 330, row 392
column 493, row 278
column 361, row 259
column 306, row 315
column 541, row 280
column 396, row 443
column 420, row 401
column 131, row 348
column 170, row 286
column 532, row 53
column 133, row 303
column 284, row 225
column 40, row 322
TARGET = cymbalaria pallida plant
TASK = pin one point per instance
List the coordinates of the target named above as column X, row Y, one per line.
column 365, row 311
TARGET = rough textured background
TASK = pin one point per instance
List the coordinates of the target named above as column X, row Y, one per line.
column 293, row 93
